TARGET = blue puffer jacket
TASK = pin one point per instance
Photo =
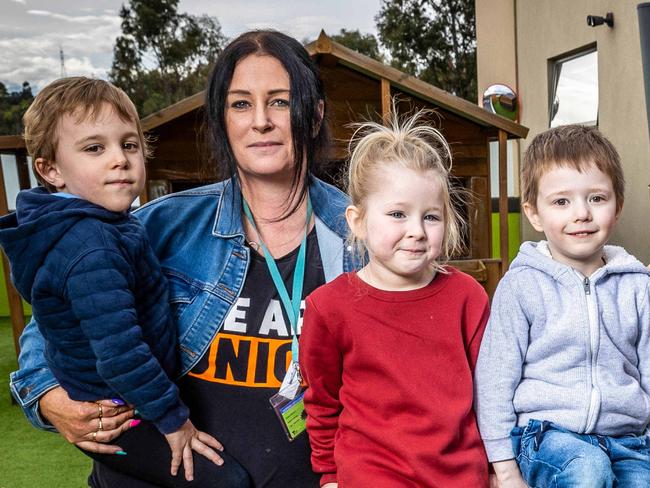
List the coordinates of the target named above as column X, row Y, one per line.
column 100, row 300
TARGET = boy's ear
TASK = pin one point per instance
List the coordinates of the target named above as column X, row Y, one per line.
column 533, row 216
column 619, row 210
column 355, row 221
column 49, row 171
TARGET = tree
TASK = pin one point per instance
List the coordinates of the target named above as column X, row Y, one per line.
column 364, row 43
column 434, row 40
column 162, row 55
column 12, row 107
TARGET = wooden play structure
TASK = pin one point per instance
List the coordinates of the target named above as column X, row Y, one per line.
column 14, row 145
column 358, row 88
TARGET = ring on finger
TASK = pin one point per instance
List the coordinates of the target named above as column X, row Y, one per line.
column 94, row 436
column 101, row 410
column 101, row 425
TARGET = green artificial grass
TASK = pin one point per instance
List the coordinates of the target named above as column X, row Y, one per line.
column 4, row 302
column 30, row 458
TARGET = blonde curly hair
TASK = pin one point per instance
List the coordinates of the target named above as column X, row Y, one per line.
column 409, row 142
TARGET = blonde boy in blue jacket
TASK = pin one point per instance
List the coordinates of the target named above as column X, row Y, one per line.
column 96, row 287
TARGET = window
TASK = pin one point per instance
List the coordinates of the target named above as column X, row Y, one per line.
column 573, row 97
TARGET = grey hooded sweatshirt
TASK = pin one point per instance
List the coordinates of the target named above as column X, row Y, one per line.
column 565, row 348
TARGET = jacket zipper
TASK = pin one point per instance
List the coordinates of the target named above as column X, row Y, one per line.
column 592, row 318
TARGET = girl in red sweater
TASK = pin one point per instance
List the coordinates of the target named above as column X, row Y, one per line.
column 389, row 352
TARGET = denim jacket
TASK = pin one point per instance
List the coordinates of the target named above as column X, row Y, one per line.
column 198, row 236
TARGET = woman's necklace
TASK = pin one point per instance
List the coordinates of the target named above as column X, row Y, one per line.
column 257, row 246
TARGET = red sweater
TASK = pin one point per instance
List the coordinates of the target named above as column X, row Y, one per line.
column 390, row 397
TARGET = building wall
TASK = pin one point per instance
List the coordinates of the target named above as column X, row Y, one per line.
column 496, row 44
column 545, row 29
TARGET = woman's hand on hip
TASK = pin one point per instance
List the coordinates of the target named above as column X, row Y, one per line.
column 88, row 425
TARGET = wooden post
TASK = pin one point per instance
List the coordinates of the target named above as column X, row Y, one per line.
column 15, row 302
column 385, row 100
column 479, row 218
column 23, row 169
column 503, row 200
column 15, row 305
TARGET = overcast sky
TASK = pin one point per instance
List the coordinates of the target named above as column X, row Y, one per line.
column 32, row 31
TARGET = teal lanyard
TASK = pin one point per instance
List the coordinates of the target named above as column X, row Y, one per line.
column 291, row 305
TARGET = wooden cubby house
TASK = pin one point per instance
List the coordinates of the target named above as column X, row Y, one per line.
column 358, row 88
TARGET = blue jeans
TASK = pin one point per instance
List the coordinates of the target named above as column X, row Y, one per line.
column 550, row 456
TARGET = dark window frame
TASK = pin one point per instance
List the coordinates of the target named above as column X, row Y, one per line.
column 555, row 70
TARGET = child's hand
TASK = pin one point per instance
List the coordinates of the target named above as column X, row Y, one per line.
column 507, row 475
column 184, row 441
column 511, row 483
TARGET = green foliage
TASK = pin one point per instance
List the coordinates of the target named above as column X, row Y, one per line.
column 12, row 107
column 162, row 55
column 434, row 40
column 363, row 43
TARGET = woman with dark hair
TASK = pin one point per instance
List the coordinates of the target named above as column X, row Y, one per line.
column 240, row 256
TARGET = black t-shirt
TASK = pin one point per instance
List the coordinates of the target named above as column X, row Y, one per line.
column 228, row 390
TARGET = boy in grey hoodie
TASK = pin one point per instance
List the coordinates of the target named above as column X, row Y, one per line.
column 563, row 375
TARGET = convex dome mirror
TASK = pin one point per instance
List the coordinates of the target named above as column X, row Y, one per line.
column 501, row 100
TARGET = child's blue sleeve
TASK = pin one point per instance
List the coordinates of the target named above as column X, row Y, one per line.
column 99, row 289
column 498, row 370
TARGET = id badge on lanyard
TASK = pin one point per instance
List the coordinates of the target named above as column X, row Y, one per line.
column 288, row 403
